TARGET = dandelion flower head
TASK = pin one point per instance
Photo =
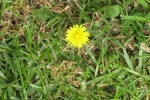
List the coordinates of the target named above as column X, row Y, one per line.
column 77, row 36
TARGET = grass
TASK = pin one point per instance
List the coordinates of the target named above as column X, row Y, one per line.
column 37, row 64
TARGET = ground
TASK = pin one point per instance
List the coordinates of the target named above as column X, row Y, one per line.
column 36, row 63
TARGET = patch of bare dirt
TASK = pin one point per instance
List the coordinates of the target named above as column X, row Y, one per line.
column 66, row 72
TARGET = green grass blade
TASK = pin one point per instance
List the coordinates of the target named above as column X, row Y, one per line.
column 143, row 3
column 140, row 59
column 137, row 18
column 128, row 60
column 91, row 54
column 131, row 71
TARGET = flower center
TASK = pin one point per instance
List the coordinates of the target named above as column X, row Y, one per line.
column 77, row 35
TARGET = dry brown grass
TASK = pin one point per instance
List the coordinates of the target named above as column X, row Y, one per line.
column 67, row 73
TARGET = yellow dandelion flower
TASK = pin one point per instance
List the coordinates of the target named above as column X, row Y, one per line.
column 77, row 36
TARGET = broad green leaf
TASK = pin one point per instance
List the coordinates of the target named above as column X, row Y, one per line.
column 111, row 11
column 43, row 13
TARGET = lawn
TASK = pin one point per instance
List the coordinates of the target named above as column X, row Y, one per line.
column 109, row 61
